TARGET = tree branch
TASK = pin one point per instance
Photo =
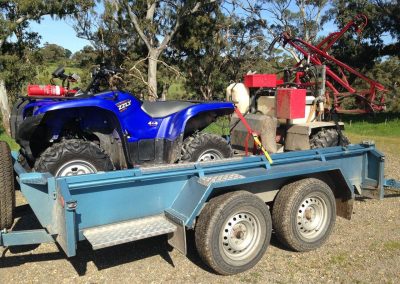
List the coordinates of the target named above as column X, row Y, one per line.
column 135, row 22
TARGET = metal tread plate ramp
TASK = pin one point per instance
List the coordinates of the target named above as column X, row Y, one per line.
column 124, row 232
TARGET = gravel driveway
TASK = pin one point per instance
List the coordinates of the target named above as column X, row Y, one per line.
column 365, row 249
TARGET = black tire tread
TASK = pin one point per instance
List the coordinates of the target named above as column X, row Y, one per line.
column 7, row 192
column 208, row 220
column 287, row 197
column 49, row 158
column 327, row 138
column 201, row 141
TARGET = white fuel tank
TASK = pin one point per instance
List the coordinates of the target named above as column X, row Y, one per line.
column 240, row 95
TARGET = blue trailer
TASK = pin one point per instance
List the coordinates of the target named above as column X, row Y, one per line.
column 232, row 204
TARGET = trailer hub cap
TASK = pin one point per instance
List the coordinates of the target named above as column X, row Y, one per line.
column 240, row 235
column 312, row 217
column 76, row 167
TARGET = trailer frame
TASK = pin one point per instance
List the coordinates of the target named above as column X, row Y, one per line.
column 111, row 208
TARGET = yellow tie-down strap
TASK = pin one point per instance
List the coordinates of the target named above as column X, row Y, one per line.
column 258, row 142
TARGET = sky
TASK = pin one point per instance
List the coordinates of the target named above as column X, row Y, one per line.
column 60, row 32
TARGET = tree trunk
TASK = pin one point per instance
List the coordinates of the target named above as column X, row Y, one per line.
column 164, row 92
column 152, row 74
column 4, row 107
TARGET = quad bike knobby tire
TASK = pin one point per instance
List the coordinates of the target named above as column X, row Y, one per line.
column 7, row 192
column 205, row 147
column 73, row 157
column 327, row 138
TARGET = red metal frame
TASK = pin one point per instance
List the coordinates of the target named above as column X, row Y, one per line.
column 318, row 55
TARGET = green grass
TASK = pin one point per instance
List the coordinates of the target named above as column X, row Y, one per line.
column 341, row 259
column 378, row 125
column 220, row 127
column 392, row 245
column 44, row 73
column 13, row 145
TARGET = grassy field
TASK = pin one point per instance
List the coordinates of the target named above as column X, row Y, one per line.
column 44, row 73
column 378, row 125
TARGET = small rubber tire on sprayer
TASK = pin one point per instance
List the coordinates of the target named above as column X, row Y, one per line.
column 73, row 157
column 304, row 214
column 233, row 232
column 201, row 147
column 327, row 138
column 7, row 191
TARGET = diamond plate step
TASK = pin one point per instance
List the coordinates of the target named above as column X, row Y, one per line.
column 119, row 233
column 206, row 181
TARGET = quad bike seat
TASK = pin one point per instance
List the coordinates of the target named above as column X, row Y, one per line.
column 164, row 108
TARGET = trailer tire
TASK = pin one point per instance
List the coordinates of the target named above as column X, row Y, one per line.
column 7, row 192
column 205, row 147
column 304, row 214
column 73, row 157
column 233, row 232
column 327, row 138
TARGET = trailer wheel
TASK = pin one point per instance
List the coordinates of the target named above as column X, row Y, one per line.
column 327, row 138
column 233, row 232
column 205, row 147
column 73, row 157
column 304, row 214
column 7, row 193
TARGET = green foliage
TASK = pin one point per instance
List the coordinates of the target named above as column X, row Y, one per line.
column 20, row 58
column 218, row 49
column 4, row 137
column 17, row 71
column 53, row 53
column 302, row 19
column 86, row 58
column 362, row 51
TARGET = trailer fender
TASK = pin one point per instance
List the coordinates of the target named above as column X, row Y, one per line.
column 198, row 190
column 343, row 191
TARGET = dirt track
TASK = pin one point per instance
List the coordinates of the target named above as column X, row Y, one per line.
column 365, row 249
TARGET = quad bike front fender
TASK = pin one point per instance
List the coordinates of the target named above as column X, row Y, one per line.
column 101, row 103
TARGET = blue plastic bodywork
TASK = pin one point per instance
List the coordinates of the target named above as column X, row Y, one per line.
column 133, row 121
column 66, row 206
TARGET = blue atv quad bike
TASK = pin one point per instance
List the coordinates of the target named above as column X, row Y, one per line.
column 97, row 130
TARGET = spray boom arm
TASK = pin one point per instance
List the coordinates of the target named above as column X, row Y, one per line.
column 337, row 84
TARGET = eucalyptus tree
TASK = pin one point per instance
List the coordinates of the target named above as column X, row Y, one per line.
column 16, row 40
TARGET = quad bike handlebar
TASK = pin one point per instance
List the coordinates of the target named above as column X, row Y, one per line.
column 98, row 75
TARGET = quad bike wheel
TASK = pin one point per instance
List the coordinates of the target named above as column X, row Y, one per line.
column 73, row 157
column 7, row 192
column 327, row 138
column 233, row 232
column 202, row 147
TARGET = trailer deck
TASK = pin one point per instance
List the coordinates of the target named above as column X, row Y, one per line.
column 112, row 208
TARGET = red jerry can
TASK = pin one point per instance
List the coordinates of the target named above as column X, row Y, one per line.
column 290, row 103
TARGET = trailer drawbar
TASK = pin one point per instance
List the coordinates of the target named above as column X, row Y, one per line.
column 232, row 204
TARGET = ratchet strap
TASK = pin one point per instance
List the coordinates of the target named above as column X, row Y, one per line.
column 253, row 134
